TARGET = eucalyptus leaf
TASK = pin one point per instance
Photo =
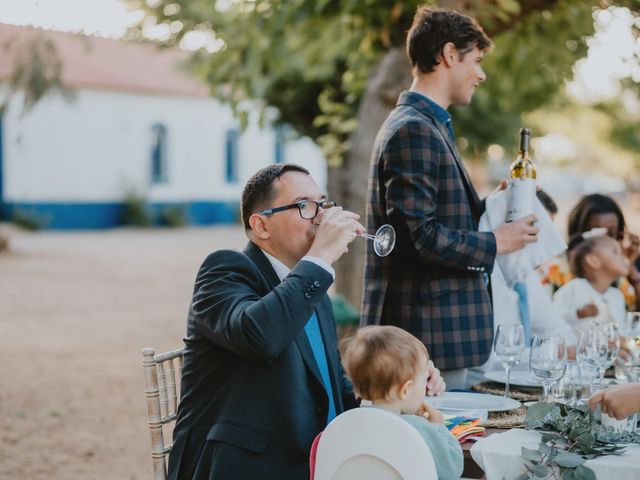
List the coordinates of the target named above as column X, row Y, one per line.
column 584, row 473
column 585, row 439
column 568, row 459
column 529, row 454
column 540, row 471
column 567, row 474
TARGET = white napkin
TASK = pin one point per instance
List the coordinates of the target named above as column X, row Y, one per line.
column 515, row 266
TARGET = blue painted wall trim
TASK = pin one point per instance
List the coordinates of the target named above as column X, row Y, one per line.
column 67, row 216
column 2, row 209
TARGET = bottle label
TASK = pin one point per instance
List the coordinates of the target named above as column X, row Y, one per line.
column 520, row 197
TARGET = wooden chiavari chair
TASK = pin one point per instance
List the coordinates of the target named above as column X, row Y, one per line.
column 162, row 374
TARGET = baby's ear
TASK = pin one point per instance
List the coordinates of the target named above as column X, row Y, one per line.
column 593, row 261
column 403, row 389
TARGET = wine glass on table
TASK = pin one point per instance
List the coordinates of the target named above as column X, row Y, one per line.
column 508, row 345
column 612, row 335
column 548, row 361
column 591, row 354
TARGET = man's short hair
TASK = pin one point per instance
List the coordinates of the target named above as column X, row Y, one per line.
column 432, row 28
column 259, row 191
column 378, row 358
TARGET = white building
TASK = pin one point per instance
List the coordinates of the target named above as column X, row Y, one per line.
column 137, row 122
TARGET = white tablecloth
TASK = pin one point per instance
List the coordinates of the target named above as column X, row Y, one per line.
column 499, row 456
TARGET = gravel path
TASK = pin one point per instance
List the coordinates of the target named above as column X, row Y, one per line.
column 75, row 311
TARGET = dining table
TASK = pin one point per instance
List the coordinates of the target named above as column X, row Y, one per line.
column 497, row 455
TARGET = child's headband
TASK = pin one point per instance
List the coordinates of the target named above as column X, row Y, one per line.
column 595, row 232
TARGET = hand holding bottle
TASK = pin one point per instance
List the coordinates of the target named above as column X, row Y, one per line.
column 513, row 236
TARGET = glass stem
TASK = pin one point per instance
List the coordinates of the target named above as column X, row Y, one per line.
column 545, row 392
column 506, row 385
column 366, row 235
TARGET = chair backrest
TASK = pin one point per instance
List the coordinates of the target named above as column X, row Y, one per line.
column 371, row 444
column 161, row 373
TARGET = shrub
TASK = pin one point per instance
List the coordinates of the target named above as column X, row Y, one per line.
column 136, row 211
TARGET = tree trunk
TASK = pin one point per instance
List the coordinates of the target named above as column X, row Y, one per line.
column 348, row 182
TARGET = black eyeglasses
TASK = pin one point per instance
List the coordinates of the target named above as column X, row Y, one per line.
column 308, row 208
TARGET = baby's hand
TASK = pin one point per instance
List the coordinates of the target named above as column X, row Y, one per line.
column 589, row 310
column 430, row 413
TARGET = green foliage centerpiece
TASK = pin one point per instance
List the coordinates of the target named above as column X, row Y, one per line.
column 568, row 441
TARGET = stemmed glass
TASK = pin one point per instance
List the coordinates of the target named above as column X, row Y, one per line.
column 592, row 351
column 626, row 368
column 383, row 241
column 612, row 334
column 548, row 361
column 508, row 346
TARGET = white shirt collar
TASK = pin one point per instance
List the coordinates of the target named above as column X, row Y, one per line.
column 280, row 268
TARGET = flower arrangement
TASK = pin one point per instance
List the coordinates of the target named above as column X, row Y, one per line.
column 570, row 437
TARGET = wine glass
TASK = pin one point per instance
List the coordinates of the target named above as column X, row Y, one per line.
column 508, row 346
column 548, row 360
column 612, row 334
column 383, row 241
column 630, row 342
column 592, row 350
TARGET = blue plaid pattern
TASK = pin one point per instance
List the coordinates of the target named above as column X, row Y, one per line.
column 432, row 283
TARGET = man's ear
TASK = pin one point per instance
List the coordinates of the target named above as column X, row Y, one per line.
column 259, row 226
column 592, row 261
column 449, row 54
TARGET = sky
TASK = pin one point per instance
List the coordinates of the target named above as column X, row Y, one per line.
column 613, row 51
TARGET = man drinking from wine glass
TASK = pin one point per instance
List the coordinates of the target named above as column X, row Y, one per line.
column 434, row 283
column 261, row 374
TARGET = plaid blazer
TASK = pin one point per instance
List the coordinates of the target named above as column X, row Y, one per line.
column 432, row 284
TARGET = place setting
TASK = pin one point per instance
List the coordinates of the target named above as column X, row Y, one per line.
column 559, row 425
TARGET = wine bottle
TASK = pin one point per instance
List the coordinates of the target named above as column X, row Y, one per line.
column 522, row 181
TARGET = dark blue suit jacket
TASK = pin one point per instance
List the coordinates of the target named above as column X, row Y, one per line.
column 252, row 395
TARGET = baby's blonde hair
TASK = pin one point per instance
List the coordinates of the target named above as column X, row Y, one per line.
column 378, row 358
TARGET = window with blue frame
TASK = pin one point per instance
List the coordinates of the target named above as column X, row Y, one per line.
column 159, row 154
column 279, row 144
column 231, row 155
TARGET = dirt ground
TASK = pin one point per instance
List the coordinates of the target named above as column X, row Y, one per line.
column 76, row 309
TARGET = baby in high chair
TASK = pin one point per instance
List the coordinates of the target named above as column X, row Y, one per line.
column 388, row 367
column 597, row 261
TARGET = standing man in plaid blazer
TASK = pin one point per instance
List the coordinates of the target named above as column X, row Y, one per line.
column 433, row 283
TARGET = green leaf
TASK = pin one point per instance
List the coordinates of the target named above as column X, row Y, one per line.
column 541, row 471
column 585, row 439
column 538, row 411
column 568, row 459
column 544, row 448
column 533, row 455
column 584, row 473
column 567, row 474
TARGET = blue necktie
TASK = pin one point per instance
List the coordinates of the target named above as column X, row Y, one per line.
column 523, row 310
column 312, row 330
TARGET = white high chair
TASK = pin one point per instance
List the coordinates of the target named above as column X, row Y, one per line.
column 371, row 444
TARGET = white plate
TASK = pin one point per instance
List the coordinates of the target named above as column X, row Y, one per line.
column 451, row 401
column 519, row 378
